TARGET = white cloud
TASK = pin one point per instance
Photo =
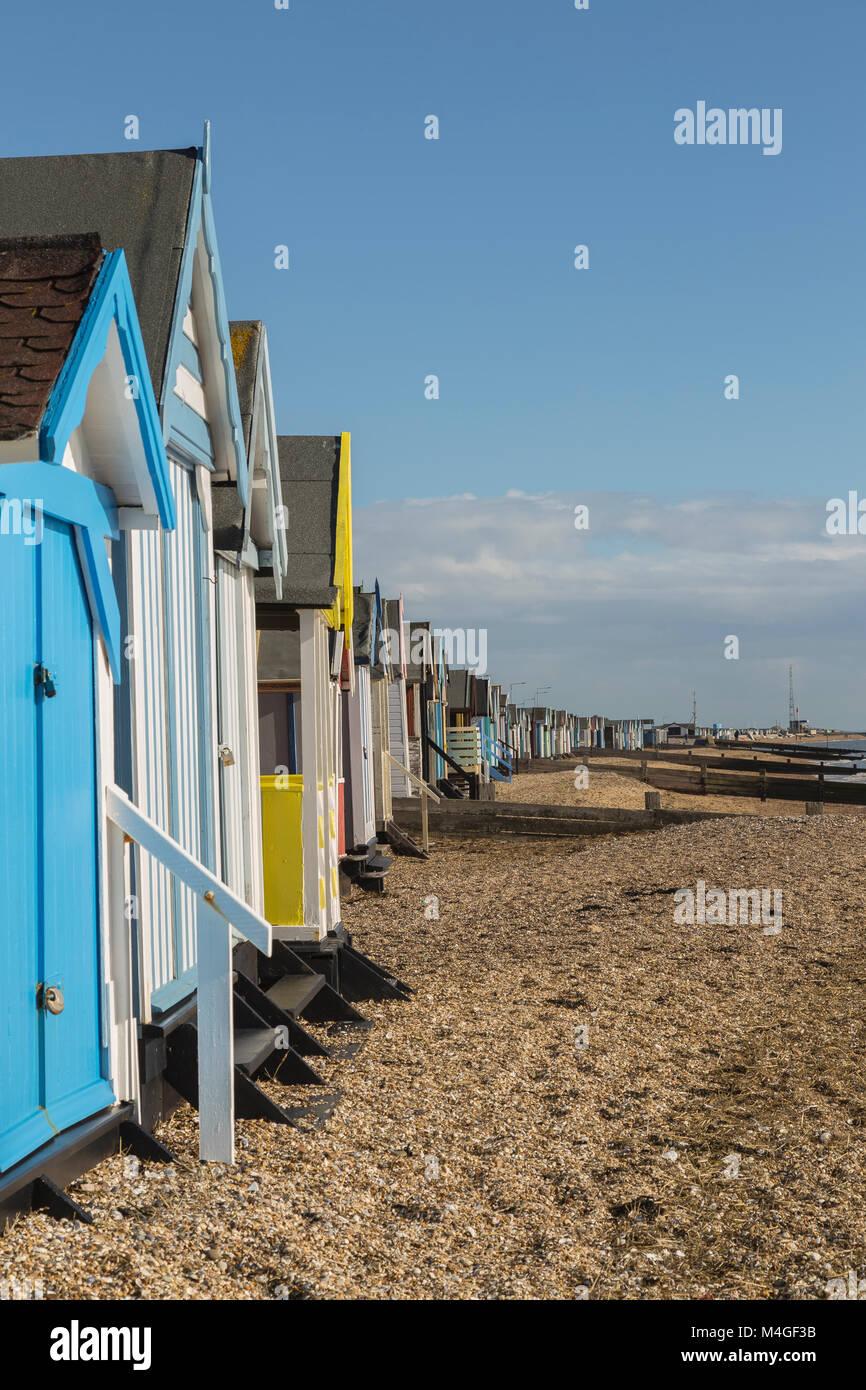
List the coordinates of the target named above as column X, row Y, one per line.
column 631, row 614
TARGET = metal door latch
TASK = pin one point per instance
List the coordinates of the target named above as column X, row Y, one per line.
column 43, row 680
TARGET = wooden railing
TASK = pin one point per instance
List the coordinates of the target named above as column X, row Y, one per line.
column 426, row 791
column 472, row 777
column 218, row 911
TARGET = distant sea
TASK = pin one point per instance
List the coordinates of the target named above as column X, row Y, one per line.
column 850, row 746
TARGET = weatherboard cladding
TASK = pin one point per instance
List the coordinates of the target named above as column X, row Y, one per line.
column 309, row 473
column 45, row 286
column 137, row 200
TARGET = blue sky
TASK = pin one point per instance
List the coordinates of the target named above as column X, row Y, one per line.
column 411, row 257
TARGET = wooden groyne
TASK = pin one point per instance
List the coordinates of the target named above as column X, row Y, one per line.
column 770, row 782
column 493, row 818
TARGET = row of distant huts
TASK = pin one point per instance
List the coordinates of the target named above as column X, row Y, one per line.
column 203, row 720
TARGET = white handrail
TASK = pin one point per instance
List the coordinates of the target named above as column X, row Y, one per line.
column 218, row 910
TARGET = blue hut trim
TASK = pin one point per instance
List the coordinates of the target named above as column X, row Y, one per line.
column 190, row 439
column 111, row 302
column 91, row 509
column 228, row 364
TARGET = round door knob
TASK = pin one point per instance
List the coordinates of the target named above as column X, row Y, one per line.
column 53, row 1000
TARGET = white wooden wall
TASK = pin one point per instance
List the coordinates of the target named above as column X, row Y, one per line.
column 398, row 736
column 184, row 582
column 174, row 688
column 360, row 784
column 240, row 798
column 381, row 744
column 150, row 760
column 365, row 700
column 319, row 733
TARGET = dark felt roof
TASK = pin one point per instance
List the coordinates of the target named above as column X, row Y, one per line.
column 416, row 671
column 309, row 471
column 228, row 517
column 461, row 689
column 363, row 615
column 391, row 614
column 45, row 284
column 279, row 656
column 246, row 337
column 137, row 200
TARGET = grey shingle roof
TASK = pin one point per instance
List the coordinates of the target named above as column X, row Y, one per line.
column 309, row 472
column 137, row 200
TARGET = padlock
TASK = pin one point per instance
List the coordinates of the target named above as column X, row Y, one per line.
column 51, row 998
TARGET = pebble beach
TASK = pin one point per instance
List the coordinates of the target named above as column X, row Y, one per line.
column 582, row 1099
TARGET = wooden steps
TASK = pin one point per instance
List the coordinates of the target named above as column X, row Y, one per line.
column 293, row 993
column 253, row 1047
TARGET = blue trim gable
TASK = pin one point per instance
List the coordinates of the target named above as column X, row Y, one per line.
column 91, row 509
column 184, row 293
column 201, row 218
column 215, row 272
column 111, row 301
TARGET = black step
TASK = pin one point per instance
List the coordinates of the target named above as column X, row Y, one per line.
column 301, row 1042
column 372, row 883
column 450, row 790
column 253, row 1047
column 47, row 1196
column 314, row 1113
column 294, row 993
column 401, row 842
column 362, row 978
column 251, row 1102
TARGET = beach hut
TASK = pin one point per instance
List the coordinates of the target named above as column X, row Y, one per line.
column 419, row 657
column 179, row 775
column 248, row 539
column 436, row 700
column 304, row 663
column 82, row 464
column 358, row 747
column 372, row 646
column 80, row 457
column 398, row 719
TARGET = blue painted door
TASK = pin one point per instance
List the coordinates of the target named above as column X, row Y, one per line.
column 53, row 1062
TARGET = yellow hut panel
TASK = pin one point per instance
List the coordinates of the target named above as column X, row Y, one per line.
column 283, row 847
